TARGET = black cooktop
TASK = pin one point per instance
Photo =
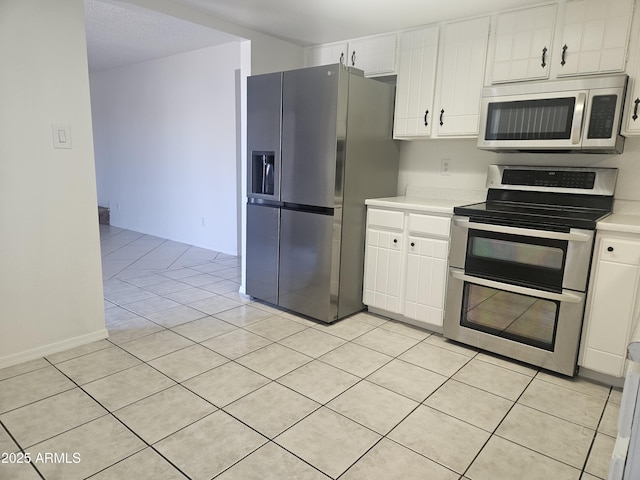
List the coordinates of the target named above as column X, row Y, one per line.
column 548, row 198
column 544, row 216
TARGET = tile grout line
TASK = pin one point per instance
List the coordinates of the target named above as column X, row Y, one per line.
column 15, row 441
column 493, row 433
column 110, row 413
column 595, row 435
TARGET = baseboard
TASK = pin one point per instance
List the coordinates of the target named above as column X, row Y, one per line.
column 603, row 378
column 401, row 318
column 52, row 348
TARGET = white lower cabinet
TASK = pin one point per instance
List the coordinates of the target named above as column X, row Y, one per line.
column 612, row 304
column 382, row 270
column 425, row 279
column 406, row 265
column 383, row 257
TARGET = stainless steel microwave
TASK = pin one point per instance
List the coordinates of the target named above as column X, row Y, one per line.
column 578, row 115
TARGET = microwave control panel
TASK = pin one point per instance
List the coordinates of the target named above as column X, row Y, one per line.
column 603, row 110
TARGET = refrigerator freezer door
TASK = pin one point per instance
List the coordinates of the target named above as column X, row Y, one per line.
column 262, row 252
column 307, row 264
column 313, row 132
column 264, row 112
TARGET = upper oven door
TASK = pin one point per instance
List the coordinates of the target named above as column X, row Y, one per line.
column 529, row 261
column 536, row 121
column 526, row 256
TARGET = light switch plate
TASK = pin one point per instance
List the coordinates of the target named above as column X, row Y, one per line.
column 61, row 135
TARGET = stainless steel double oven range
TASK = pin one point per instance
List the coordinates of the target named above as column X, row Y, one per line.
column 519, row 262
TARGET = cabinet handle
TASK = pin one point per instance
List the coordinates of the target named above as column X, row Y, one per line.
column 609, row 249
column 544, row 57
column 353, row 59
column 342, row 58
column 426, row 112
column 564, row 53
column 635, row 109
column 441, row 114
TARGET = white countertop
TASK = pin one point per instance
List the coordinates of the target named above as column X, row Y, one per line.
column 431, row 205
column 620, row 222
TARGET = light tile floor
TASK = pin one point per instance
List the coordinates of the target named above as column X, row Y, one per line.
column 198, row 381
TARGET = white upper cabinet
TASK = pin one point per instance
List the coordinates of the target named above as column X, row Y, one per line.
column 327, row 54
column 631, row 119
column 416, row 83
column 595, row 36
column 522, row 45
column 374, row 55
column 440, row 80
column 460, row 77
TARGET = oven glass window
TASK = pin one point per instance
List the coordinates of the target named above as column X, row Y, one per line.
column 522, row 318
column 515, row 252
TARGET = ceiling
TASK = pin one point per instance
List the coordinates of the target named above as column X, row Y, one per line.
column 310, row 22
column 121, row 32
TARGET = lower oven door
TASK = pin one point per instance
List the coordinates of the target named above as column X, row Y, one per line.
column 535, row 326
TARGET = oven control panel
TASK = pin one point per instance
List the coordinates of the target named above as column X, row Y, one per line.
column 549, row 178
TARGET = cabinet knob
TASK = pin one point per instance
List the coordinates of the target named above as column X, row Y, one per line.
column 413, row 244
column 609, row 249
column 395, row 240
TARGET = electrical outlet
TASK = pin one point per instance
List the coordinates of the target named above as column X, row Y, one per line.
column 445, row 166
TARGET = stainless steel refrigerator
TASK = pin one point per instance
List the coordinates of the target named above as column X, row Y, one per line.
column 319, row 143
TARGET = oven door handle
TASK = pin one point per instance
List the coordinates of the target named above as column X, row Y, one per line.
column 572, row 236
column 565, row 296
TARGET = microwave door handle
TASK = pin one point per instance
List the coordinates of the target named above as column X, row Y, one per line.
column 526, row 232
column 578, row 117
column 565, row 296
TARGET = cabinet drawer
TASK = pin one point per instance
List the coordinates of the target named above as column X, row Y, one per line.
column 429, row 224
column 619, row 251
column 385, row 218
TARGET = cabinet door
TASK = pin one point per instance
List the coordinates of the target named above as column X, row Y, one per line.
column 426, row 277
column 631, row 120
column 595, row 36
column 374, row 55
column 461, row 77
column 382, row 271
column 523, row 44
column 610, row 314
column 414, row 112
column 326, row 54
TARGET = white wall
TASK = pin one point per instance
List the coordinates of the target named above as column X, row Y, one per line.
column 165, row 146
column 420, row 163
column 50, row 274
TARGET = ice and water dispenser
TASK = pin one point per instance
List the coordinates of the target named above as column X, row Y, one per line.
column 263, row 172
